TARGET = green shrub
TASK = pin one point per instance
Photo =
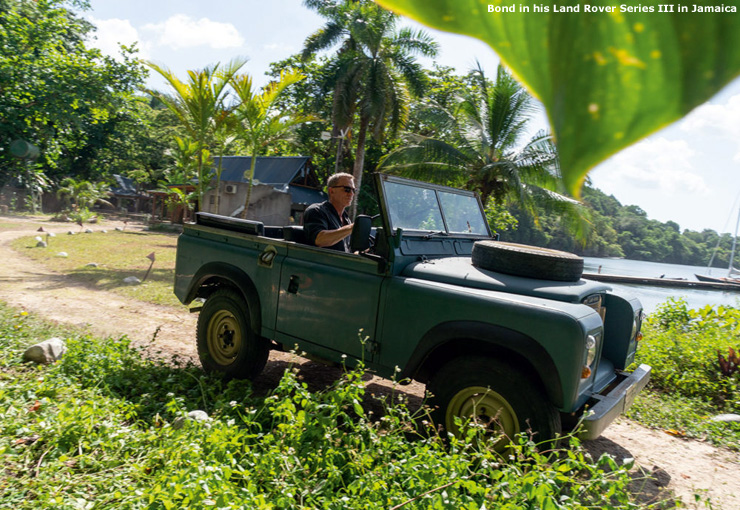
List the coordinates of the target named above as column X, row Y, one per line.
column 684, row 347
column 96, row 431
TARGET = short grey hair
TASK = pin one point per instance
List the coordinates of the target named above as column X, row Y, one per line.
column 334, row 178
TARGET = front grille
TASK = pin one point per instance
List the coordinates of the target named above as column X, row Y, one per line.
column 596, row 302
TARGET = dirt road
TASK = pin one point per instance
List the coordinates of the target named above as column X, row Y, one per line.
column 678, row 468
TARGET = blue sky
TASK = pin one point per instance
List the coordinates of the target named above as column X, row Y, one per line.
column 688, row 172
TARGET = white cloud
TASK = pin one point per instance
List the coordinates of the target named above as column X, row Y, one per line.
column 658, row 164
column 181, row 31
column 114, row 31
column 717, row 121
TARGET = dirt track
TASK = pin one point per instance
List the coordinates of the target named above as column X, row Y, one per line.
column 684, row 467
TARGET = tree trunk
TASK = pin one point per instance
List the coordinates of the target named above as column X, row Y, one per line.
column 250, row 177
column 359, row 162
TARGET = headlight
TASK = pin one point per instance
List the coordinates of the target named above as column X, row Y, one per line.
column 592, row 345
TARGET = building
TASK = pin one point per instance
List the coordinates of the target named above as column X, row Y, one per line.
column 283, row 188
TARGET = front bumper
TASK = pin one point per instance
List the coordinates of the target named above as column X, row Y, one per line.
column 614, row 403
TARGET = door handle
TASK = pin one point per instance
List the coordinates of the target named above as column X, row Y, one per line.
column 293, row 284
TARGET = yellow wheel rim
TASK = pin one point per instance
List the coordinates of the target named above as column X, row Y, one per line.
column 484, row 407
column 224, row 337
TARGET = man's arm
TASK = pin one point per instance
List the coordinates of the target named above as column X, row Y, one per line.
column 331, row 237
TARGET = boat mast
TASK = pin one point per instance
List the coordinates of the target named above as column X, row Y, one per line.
column 734, row 245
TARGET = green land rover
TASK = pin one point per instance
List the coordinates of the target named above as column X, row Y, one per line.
column 506, row 335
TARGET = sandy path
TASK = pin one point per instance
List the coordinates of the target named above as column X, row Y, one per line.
column 684, row 467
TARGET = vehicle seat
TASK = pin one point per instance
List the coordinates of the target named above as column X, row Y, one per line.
column 295, row 234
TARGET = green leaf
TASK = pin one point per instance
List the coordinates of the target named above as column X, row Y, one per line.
column 606, row 79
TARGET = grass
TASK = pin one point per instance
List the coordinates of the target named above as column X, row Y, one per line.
column 689, row 385
column 118, row 254
column 96, row 430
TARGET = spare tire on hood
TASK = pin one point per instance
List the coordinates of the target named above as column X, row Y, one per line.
column 527, row 261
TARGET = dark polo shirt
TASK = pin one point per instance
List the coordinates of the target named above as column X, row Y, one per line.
column 323, row 216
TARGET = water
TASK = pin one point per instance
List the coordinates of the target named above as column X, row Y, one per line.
column 651, row 296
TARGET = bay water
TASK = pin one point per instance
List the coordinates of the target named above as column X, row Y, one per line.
column 652, row 296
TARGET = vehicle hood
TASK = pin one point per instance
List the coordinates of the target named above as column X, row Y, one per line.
column 461, row 271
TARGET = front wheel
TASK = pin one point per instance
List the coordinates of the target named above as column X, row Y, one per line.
column 226, row 341
column 488, row 393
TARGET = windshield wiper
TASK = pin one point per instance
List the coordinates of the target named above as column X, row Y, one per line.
column 434, row 234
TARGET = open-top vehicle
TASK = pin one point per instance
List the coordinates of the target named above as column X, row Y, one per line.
column 507, row 335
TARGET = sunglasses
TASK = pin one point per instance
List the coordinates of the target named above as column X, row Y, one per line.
column 347, row 189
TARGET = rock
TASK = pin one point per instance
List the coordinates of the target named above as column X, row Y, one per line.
column 104, row 231
column 51, row 234
column 70, row 233
column 726, row 417
column 119, row 229
column 62, row 254
column 46, row 352
column 91, row 264
column 41, row 244
column 38, row 239
column 132, row 280
column 199, row 416
column 88, row 231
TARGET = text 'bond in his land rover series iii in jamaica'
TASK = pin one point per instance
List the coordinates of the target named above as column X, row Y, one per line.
column 502, row 334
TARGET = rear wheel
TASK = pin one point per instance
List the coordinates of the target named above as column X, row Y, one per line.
column 226, row 341
column 488, row 393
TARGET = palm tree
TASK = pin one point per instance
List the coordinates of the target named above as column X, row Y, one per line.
column 477, row 145
column 200, row 104
column 260, row 123
column 374, row 71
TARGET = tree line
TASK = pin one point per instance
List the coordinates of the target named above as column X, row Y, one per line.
column 92, row 117
column 624, row 231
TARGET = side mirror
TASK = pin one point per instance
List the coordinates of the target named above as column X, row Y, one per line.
column 360, row 240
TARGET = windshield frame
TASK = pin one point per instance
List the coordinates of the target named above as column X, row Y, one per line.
column 383, row 179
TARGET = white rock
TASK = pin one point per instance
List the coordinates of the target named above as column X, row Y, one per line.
column 726, row 417
column 119, row 228
column 104, row 231
column 70, row 233
column 88, row 231
column 41, row 244
column 51, row 234
column 46, row 352
column 62, row 254
column 38, row 239
column 199, row 416
column 132, row 280
column 91, row 264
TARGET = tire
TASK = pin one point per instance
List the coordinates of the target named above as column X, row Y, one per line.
column 226, row 342
column 527, row 261
column 502, row 398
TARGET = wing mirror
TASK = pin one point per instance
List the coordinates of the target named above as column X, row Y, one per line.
column 360, row 240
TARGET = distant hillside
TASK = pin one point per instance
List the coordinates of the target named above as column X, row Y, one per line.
column 624, row 231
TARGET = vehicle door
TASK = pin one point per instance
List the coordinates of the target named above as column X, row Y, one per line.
column 328, row 298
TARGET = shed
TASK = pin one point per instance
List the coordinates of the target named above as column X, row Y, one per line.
column 126, row 195
column 283, row 187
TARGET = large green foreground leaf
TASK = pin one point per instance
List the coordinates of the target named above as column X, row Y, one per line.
column 607, row 79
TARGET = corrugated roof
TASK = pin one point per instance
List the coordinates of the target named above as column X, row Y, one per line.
column 308, row 196
column 272, row 170
column 124, row 187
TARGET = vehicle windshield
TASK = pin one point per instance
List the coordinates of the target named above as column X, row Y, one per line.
column 428, row 208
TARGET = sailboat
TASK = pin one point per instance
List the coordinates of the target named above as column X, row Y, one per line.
column 731, row 270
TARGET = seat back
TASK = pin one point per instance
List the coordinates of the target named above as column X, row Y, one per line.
column 295, row 234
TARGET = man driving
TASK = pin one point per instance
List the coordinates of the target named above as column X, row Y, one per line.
column 327, row 225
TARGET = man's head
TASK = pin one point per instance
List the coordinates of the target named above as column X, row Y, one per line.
column 341, row 188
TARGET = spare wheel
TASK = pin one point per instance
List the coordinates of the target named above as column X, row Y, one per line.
column 527, row 261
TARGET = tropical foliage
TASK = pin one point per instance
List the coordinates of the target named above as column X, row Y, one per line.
column 605, row 84
column 476, row 143
column 374, row 73
column 201, row 106
column 71, row 101
column 260, row 123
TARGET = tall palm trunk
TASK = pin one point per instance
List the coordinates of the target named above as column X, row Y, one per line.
column 250, row 177
column 359, row 161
